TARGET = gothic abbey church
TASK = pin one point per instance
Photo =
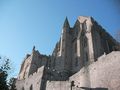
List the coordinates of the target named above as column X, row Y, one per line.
column 85, row 58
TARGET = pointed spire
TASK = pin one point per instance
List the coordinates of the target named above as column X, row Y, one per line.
column 33, row 48
column 77, row 23
column 66, row 23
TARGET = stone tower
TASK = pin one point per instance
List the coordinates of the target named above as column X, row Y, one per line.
column 65, row 45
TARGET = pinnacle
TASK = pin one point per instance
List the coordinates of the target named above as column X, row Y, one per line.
column 33, row 48
column 66, row 23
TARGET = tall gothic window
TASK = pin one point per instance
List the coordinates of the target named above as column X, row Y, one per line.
column 31, row 87
column 84, row 25
column 75, row 47
column 85, row 41
column 76, row 61
column 86, row 56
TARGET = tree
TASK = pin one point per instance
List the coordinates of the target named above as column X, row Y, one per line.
column 4, row 68
column 12, row 84
column 3, row 80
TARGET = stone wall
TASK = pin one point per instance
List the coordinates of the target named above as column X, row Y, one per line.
column 33, row 81
column 25, row 68
column 58, row 85
column 104, row 73
column 32, row 63
column 20, row 84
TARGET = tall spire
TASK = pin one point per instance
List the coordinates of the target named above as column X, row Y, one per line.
column 66, row 23
column 33, row 48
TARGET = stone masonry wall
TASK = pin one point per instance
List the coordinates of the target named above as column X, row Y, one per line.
column 33, row 81
column 104, row 73
column 58, row 85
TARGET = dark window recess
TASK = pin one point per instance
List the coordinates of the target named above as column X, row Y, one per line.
column 85, row 42
column 76, row 61
column 86, row 56
column 63, row 40
column 72, row 83
column 31, row 87
column 85, row 26
column 22, row 88
column 75, row 47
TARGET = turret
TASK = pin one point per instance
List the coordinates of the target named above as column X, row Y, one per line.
column 66, row 23
column 33, row 49
column 65, row 46
column 64, row 37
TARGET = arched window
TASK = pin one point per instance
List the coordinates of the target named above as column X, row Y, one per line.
column 31, row 87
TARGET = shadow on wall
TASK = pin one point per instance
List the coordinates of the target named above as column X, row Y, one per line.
column 98, row 88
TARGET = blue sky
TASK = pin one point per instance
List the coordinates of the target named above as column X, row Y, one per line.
column 25, row 23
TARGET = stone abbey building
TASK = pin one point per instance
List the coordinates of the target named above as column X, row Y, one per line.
column 85, row 58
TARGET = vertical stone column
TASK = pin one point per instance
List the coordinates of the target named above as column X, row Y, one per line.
column 90, row 39
column 78, row 47
column 61, row 43
column 90, row 47
column 78, row 40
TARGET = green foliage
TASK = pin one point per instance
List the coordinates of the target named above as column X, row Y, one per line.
column 3, row 80
column 12, row 84
column 4, row 68
column 6, row 65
